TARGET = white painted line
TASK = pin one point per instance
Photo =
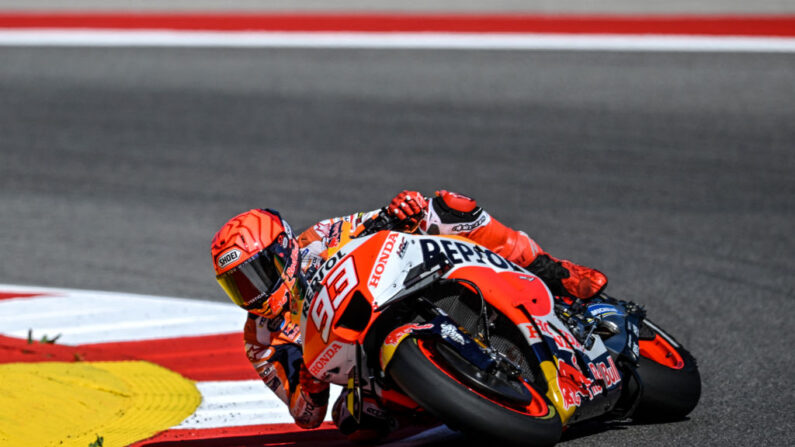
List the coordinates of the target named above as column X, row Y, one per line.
column 111, row 328
column 463, row 41
column 241, row 402
column 84, row 317
column 54, row 315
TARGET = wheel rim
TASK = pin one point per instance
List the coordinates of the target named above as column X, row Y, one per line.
column 536, row 408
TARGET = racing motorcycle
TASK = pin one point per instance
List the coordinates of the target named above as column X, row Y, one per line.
column 442, row 326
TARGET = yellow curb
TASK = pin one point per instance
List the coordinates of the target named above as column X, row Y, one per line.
column 70, row 404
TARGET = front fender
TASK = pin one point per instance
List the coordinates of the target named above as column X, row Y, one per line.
column 443, row 328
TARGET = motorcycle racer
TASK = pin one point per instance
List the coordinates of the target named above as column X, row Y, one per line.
column 264, row 267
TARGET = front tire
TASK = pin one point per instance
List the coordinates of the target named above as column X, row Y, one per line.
column 421, row 373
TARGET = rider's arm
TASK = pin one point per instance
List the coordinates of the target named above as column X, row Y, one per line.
column 316, row 239
column 451, row 213
column 273, row 350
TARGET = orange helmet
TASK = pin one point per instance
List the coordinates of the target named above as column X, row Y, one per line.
column 257, row 262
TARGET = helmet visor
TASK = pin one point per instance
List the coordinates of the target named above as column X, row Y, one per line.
column 256, row 278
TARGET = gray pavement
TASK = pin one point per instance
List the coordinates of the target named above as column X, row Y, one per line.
column 545, row 6
column 670, row 172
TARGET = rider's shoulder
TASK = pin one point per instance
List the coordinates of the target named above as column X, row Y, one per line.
column 453, row 213
column 454, row 202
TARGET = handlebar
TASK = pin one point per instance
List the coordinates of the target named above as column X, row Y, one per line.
column 383, row 221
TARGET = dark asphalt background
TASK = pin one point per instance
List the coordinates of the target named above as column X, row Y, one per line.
column 672, row 173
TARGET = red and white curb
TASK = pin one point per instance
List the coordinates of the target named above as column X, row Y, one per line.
column 413, row 31
column 201, row 340
column 198, row 339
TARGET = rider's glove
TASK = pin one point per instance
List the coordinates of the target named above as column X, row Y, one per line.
column 408, row 207
column 309, row 402
column 312, row 386
column 583, row 282
column 274, row 306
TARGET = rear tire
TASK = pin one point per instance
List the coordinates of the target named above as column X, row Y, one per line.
column 421, row 375
column 671, row 387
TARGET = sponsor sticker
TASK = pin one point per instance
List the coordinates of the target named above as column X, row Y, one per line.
column 228, row 257
column 397, row 335
column 459, row 252
column 323, row 359
column 450, row 332
column 383, row 257
column 607, row 372
column 603, row 309
column 466, row 227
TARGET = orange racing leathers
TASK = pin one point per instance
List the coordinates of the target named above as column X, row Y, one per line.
column 274, row 347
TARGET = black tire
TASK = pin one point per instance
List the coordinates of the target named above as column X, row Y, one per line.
column 669, row 393
column 463, row 409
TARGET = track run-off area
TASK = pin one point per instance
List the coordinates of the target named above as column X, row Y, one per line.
column 135, row 370
column 216, row 391
column 658, row 148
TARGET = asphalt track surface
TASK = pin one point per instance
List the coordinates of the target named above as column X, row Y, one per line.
column 672, row 173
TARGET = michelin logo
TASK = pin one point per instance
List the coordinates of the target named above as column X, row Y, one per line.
column 603, row 310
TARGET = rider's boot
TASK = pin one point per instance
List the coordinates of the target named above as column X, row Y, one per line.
column 375, row 423
column 565, row 278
